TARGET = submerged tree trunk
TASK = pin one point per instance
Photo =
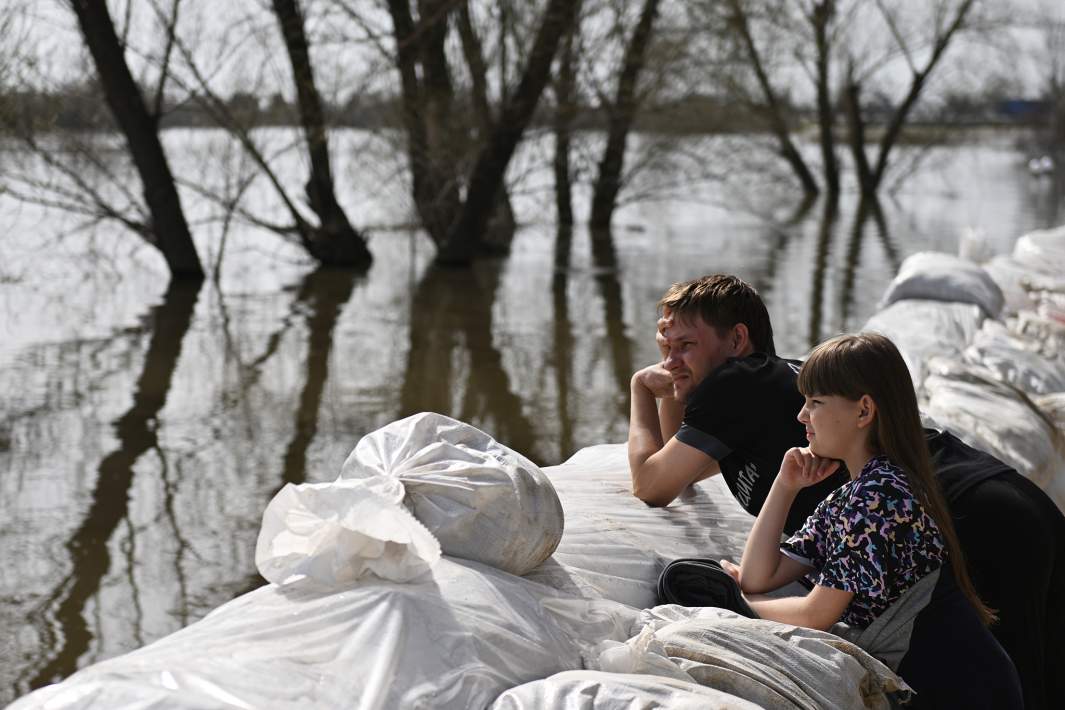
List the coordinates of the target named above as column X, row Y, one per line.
column 334, row 242
column 168, row 231
column 773, row 110
column 856, row 135
column 490, row 168
column 500, row 231
column 821, row 19
column 435, row 195
column 622, row 115
column 565, row 112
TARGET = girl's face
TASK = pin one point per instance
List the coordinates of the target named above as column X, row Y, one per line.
column 835, row 426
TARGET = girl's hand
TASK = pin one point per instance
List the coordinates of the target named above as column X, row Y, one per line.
column 802, row 468
column 733, row 570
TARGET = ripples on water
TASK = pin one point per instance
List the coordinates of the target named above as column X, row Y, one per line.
column 144, row 428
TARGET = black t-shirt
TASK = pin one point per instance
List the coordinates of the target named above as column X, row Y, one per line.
column 744, row 415
column 959, row 466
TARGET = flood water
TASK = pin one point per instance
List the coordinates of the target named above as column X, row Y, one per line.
column 143, row 428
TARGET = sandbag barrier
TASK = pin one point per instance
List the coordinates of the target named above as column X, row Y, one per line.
column 985, row 345
column 436, row 572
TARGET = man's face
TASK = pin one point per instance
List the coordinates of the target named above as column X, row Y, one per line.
column 691, row 350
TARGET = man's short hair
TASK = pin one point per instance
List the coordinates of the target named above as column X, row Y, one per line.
column 722, row 300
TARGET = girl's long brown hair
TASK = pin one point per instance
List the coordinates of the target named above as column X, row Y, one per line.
column 850, row 366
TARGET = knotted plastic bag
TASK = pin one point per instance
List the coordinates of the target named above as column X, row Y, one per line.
column 336, row 532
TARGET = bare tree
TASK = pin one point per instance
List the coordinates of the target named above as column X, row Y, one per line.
column 501, row 231
column 947, row 25
column 335, row 242
column 566, row 99
column 843, row 48
column 458, row 226
column 739, row 26
column 621, row 114
column 167, row 230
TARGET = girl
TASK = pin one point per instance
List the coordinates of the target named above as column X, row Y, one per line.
column 875, row 537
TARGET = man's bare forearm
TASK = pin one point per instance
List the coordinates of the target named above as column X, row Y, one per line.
column 670, row 416
column 645, row 432
column 661, row 467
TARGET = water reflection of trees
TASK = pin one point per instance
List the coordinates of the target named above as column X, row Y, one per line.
column 451, row 316
column 562, row 337
column 322, row 296
column 867, row 221
column 604, row 257
column 90, row 559
column 324, row 293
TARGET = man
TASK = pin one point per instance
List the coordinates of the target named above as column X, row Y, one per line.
column 727, row 404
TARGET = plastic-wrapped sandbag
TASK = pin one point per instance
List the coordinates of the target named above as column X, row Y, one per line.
column 768, row 663
column 1012, row 279
column 933, row 276
column 455, row 638
column 925, row 329
column 598, row 690
column 481, row 500
column 1015, row 359
column 1042, row 251
column 615, row 545
column 995, row 417
column 1047, row 334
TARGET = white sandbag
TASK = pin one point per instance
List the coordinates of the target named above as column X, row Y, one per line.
column 768, row 663
column 615, row 546
column 1042, row 251
column 1013, row 280
column 335, row 533
column 995, row 417
column 933, row 276
column 1045, row 333
column 925, row 329
column 598, row 690
column 1015, row 360
column 455, row 638
column 481, row 500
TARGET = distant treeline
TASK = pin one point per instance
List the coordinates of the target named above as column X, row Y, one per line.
column 82, row 107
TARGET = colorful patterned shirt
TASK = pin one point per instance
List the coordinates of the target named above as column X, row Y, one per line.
column 870, row 537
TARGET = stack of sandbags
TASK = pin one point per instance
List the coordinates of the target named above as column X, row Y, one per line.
column 994, row 416
column 925, row 329
column 770, row 664
column 1017, row 359
column 1035, row 271
column 980, row 377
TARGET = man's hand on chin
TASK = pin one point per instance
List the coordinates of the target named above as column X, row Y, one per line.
column 656, row 379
